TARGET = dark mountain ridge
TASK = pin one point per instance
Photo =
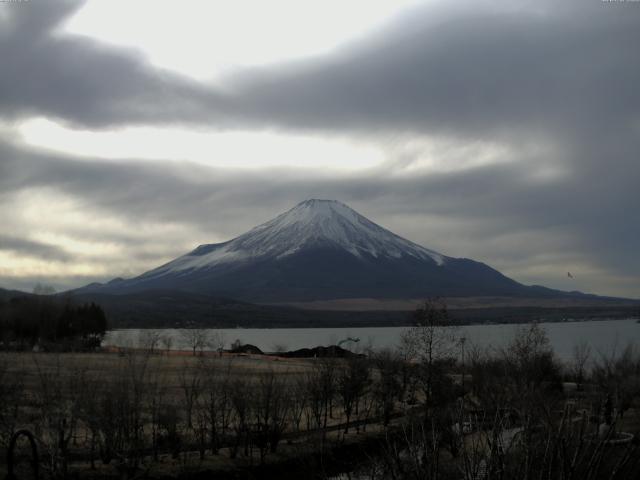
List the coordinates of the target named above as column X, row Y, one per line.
column 176, row 309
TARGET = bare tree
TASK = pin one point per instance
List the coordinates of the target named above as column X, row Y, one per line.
column 387, row 385
column 156, row 401
column 195, row 338
column 11, row 400
column 579, row 359
column 352, row 381
column 430, row 343
column 269, row 412
column 320, row 390
column 216, row 341
column 150, row 340
column 618, row 374
column 297, row 401
column 167, row 342
column 241, row 404
column 119, row 401
column 191, row 388
column 57, row 397
column 216, row 401
column 433, row 336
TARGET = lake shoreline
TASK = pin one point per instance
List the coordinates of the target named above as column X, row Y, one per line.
column 404, row 325
column 603, row 335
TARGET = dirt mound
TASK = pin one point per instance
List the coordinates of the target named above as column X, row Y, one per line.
column 333, row 351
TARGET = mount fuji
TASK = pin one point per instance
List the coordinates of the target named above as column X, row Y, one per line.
column 322, row 250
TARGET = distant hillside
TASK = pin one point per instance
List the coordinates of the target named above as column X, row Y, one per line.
column 177, row 309
column 174, row 309
column 7, row 294
column 461, row 303
column 161, row 308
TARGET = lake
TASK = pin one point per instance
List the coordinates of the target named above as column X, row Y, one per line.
column 603, row 336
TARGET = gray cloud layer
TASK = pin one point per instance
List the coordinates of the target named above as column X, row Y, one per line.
column 32, row 248
column 473, row 67
column 555, row 83
column 81, row 81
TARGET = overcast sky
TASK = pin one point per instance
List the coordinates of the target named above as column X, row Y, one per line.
column 503, row 131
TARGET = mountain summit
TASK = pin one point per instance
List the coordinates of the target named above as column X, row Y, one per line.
column 321, row 250
column 310, row 225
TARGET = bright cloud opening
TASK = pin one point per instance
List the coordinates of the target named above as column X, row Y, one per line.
column 235, row 149
column 206, row 39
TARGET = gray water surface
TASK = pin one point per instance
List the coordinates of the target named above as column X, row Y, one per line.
column 604, row 336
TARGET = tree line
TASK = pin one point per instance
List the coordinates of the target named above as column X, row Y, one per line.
column 50, row 323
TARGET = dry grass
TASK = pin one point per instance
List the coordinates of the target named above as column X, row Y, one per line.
column 29, row 366
column 169, row 370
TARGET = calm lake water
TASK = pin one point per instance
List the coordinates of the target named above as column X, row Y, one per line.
column 604, row 336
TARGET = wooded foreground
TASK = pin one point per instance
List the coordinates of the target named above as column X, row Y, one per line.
column 435, row 408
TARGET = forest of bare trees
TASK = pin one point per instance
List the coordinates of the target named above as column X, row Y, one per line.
column 436, row 408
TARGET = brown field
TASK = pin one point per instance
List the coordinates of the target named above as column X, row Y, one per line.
column 168, row 369
column 63, row 384
column 157, row 411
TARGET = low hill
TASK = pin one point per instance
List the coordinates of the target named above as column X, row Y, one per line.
column 154, row 309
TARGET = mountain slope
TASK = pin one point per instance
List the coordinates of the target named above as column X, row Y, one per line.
column 312, row 224
column 9, row 294
column 322, row 249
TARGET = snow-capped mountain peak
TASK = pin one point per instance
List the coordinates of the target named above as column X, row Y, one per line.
column 321, row 250
column 331, row 223
column 311, row 224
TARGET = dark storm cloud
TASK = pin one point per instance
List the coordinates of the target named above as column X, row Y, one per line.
column 472, row 68
column 81, row 81
column 33, row 249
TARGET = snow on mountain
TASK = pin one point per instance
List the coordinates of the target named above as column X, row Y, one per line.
column 321, row 250
column 312, row 223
